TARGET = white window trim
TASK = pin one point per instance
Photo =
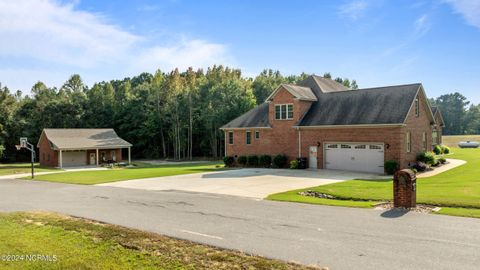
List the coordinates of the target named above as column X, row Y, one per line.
column 286, row 114
column 408, row 142
column 417, row 107
column 424, row 141
column 230, row 132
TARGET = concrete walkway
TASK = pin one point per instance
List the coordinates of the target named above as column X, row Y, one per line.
column 254, row 183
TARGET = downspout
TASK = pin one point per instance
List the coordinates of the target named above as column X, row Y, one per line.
column 299, row 143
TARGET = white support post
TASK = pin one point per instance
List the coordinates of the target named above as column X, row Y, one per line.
column 96, row 156
column 60, row 159
column 129, row 156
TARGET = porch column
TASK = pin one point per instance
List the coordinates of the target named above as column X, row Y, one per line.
column 60, row 159
column 96, row 156
column 129, row 155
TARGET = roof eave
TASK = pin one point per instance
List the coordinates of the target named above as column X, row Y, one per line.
column 352, row 126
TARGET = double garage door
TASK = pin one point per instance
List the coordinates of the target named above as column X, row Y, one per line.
column 72, row 159
column 359, row 157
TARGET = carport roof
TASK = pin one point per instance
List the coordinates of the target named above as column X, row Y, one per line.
column 83, row 138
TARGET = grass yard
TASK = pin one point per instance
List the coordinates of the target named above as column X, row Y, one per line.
column 121, row 174
column 452, row 141
column 84, row 244
column 457, row 190
column 18, row 168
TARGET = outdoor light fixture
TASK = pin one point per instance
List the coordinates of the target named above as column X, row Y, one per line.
column 25, row 144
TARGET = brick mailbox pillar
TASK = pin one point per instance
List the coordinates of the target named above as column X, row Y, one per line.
column 404, row 189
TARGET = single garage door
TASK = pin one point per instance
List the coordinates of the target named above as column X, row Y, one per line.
column 71, row 159
column 358, row 157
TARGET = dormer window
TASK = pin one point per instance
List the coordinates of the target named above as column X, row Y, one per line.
column 283, row 111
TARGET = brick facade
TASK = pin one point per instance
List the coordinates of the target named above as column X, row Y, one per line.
column 283, row 138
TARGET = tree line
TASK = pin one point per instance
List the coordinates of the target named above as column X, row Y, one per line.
column 164, row 115
column 461, row 117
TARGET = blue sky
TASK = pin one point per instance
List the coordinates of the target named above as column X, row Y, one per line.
column 376, row 42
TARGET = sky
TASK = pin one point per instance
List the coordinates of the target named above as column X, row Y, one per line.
column 376, row 42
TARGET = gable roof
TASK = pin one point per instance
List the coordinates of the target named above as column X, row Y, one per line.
column 84, row 138
column 372, row 106
column 256, row 117
column 299, row 92
column 436, row 110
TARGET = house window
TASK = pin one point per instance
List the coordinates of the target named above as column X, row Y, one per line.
column 424, row 141
column 114, row 155
column 434, row 137
column 43, row 157
column 230, row 137
column 361, row 146
column 249, row 137
column 417, row 107
column 257, row 134
column 48, row 157
column 408, row 142
column 372, row 146
column 332, row 146
column 283, row 111
column 345, row 146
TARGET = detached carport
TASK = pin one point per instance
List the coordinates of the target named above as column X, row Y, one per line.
column 81, row 147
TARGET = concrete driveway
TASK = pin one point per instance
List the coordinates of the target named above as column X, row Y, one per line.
column 254, row 183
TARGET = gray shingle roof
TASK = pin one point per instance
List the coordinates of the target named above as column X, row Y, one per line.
column 256, row 117
column 84, row 138
column 321, row 85
column 373, row 106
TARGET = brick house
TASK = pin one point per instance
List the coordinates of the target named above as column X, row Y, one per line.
column 338, row 128
column 80, row 147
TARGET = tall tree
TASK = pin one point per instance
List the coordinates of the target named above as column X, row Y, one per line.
column 453, row 108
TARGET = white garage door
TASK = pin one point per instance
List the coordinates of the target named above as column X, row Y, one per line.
column 71, row 159
column 358, row 157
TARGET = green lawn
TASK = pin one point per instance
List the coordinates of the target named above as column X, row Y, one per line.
column 121, row 174
column 458, row 190
column 74, row 243
column 18, row 168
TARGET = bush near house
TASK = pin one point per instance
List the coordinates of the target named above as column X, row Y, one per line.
column 391, row 166
column 427, row 157
column 252, row 161
column 442, row 160
column 265, row 161
column 280, row 161
column 229, row 161
column 419, row 166
column 437, row 149
column 242, row 160
column 293, row 164
column 445, row 149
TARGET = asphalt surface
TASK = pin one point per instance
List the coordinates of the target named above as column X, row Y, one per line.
column 337, row 237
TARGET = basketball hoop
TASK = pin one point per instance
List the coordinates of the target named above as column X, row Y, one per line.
column 23, row 142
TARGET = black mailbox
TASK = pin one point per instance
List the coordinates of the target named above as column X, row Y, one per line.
column 404, row 189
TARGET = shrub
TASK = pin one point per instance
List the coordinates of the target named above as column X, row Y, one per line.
column 437, row 149
column 229, row 161
column 252, row 160
column 445, row 149
column 293, row 164
column 242, row 160
column 391, row 166
column 427, row 157
column 420, row 166
column 265, row 161
column 280, row 161
column 442, row 160
column 414, row 170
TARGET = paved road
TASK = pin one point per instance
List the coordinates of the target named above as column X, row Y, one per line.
column 341, row 238
column 254, row 183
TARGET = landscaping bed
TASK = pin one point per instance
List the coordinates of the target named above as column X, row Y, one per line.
column 62, row 242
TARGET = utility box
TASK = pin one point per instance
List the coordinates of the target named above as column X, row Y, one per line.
column 405, row 189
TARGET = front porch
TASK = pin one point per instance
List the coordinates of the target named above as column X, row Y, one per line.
column 91, row 157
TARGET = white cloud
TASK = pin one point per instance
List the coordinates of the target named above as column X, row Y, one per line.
column 50, row 33
column 422, row 25
column 353, row 10
column 469, row 9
